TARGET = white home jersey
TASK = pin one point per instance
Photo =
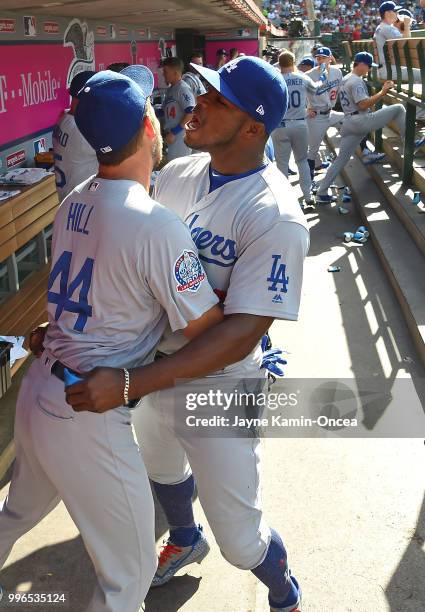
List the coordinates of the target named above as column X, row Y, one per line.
column 298, row 85
column 384, row 32
column 353, row 90
column 326, row 95
column 251, row 235
column 75, row 159
column 178, row 98
column 122, row 267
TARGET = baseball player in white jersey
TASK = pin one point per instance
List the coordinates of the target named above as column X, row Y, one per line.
column 75, row 159
column 252, row 239
column 292, row 134
column 320, row 104
column 177, row 108
column 360, row 119
column 105, row 246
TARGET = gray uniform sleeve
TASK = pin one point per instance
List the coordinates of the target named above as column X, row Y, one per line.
column 171, row 268
column 310, row 85
column 358, row 92
column 267, row 278
column 186, row 98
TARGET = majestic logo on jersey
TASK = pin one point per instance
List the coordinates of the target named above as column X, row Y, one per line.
column 278, row 276
column 213, row 248
column 260, row 110
column 278, row 299
column 188, row 272
column 94, row 186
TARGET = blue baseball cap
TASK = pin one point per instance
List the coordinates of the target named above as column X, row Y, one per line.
column 307, row 61
column 363, row 57
column 389, row 6
column 254, row 86
column 323, row 51
column 112, row 105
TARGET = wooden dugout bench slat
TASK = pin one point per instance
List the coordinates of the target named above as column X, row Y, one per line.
column 23, row 218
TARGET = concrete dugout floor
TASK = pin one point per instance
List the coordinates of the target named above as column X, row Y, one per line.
column 351, row 511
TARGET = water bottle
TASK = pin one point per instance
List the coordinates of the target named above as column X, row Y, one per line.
column 323, row 72
column 363, row 230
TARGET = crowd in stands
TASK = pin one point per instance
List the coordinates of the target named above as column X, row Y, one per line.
column 358, row 18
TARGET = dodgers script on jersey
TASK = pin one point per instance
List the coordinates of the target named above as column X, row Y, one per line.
column 353, row 90
column 109, row 300
column 178, row 98
column 384, row 32
column 75, row 160
column 298, row 85
column 251, row 236
column 326, row 95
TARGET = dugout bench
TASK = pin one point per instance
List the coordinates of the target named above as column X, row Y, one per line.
column 399, row 53
column 25, row 238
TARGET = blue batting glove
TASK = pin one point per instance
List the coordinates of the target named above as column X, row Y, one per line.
column 272, row 362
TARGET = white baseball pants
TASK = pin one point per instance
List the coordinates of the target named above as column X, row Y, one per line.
column 93, row 464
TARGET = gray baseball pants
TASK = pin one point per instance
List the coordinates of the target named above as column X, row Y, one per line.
column 92, row 462
column 317, row 128
column 293, row 137
column 354, row 129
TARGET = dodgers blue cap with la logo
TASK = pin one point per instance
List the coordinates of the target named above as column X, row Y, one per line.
column 363, row 57
column 323, row 52
column 252, row 85
column 112, row 105
column 388, row 6
column 307, row 61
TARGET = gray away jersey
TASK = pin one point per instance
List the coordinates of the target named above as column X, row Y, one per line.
column 353, row 90
column 384, row 32
column 194, row 83
column 298, row 85
column 75, row 159
column 122, row 267
column 251, row 235
column 325, row 97
column 178, row 98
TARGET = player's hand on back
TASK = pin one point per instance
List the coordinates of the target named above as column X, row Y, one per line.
column 101, row 390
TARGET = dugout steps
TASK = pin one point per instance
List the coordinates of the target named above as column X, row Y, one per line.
column 397, row 232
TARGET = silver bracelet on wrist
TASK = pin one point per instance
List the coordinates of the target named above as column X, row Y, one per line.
column 126, row 386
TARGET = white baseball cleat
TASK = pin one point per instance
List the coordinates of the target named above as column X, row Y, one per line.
column 172, row 558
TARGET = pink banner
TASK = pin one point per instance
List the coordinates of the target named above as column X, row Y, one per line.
column 32, row 88
column 249, row 47
column 34, row 80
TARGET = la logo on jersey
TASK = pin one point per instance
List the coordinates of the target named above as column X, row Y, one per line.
column 278, row 279
column 188, row 272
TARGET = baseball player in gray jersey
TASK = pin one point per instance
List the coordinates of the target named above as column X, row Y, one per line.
column 387, row 31
column 359, row 118
column 192, row 79
column 252, row 238
column 105, row 246
column 320, row 104
column 177, row 108
column 75, row 159
column 292, row 135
